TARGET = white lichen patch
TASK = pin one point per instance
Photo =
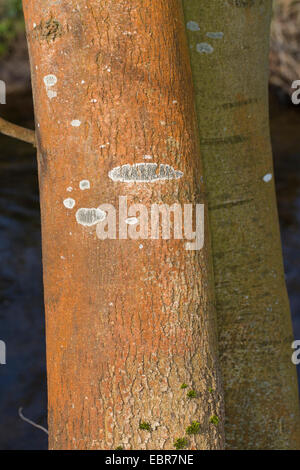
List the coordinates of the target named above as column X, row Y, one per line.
column 268, row 177
column 89, row 217
column 215, row 35
column 75, row 123
column 148, row 157
column 193, row 26
column 131, row 221
column 69, row 203
column 84, row 184
column 144, row 173
column 50, row 80
column 51, row 94
column 204, row 48
column 69, row 189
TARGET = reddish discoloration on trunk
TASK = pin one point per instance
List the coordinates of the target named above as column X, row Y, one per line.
column 126, row 325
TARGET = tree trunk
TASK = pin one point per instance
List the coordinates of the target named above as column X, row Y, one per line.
column 128, row 321
column 229, row 44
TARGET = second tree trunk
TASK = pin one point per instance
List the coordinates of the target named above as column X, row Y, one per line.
column 229, row 44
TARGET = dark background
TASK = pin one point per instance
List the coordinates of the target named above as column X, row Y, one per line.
column 23, row 378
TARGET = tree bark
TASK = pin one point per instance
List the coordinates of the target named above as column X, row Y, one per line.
column 229, row 44
column 128, row 322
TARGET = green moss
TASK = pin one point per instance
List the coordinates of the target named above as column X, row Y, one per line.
column 210, row 390
column 191, row 394
column 181, row 443
column 145, row 426
column 214, row 420
column 194, row 428
column 184, row 386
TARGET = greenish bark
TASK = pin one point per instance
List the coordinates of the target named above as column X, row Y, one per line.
column 229, row 44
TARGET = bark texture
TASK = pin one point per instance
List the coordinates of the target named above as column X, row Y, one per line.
column 229, row 44
column 128, row 321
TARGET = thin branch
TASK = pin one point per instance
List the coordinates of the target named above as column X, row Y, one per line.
column 31, row 422
column 18, row 132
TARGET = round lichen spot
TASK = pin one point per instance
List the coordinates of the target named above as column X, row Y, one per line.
column 193, row 26
column 69, row 203
column 50, row 80
column 268, row 177
column 84, row 184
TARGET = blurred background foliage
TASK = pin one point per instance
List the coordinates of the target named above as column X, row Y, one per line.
column 285, row 44
column 11, row 23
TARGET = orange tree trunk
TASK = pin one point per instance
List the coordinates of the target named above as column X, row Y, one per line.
column 129, row 322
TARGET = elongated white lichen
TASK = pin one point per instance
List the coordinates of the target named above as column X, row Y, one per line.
column 75, row 123
column 144, row 173
column 215, row 35
column 131, row 221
